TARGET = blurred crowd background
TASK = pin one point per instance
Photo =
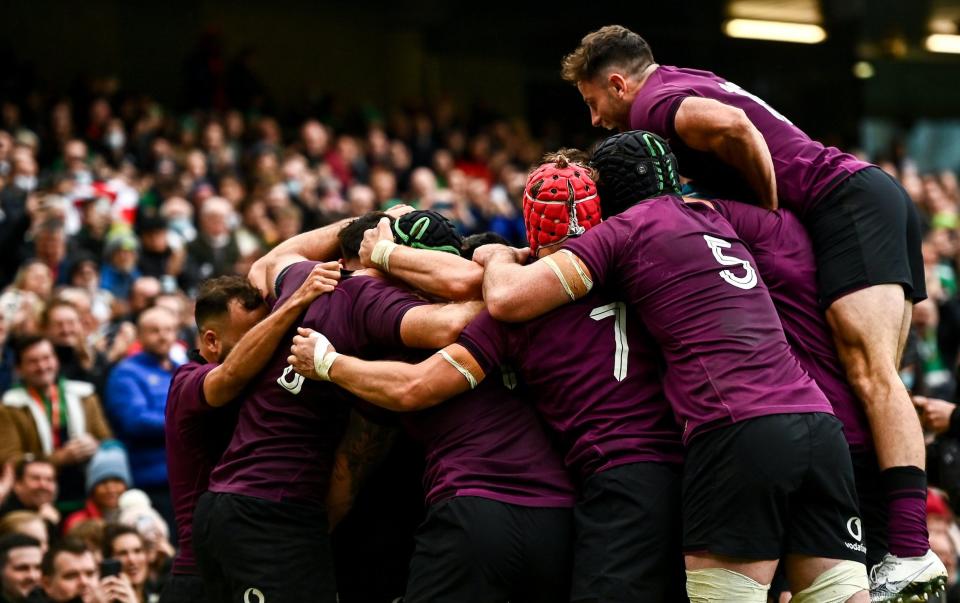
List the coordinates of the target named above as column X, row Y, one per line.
column 118, row 199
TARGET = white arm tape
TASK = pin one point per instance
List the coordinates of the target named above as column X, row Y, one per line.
column 466, row 374
column 549, row 261
column 586, row 280
column 381, row 253
column 322, row 362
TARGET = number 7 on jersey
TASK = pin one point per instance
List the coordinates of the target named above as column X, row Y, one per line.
column 618, row 310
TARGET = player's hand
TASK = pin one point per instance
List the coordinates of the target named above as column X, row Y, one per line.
column 322, row 279
column 483, row 254
column 303, row 350
column 382, row 232
column 399, row 210
column 934, row 414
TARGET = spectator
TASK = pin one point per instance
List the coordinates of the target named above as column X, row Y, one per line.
column 20, row 558
column 22, row 302
column 6, row 357
column 108, row 477
column 125, row 544
column 214, row 252
column 49, row 416
column 136, row 399
column 120, row 268
column 63, row 326
column 27, row 523
column 70, row 575
column 159, row 258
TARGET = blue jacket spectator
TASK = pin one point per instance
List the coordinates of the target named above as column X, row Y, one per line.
column 136, row 398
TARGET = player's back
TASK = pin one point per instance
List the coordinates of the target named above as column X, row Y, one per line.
column 695, row 286
column 594, row 372
column 805, row 168
column 289, row 427
column 781, row 247
column 488, row 442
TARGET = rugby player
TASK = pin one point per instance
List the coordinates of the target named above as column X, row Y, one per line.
column 236, row 339
column 261, row 532
column 864, row 228
column 593, row 371
column 498, row 525
column 760, row 436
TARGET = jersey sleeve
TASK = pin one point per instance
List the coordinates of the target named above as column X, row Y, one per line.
column 486, row 340
column 599, row 249
column 290, row 279
column 379, row 310
column 656, row 110
column 187, row 389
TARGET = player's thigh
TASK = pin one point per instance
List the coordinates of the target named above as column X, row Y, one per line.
column 866, row 232
column 736, row 486
column 628, row 533
column 867, row 324
column 463, row 553
column 276, row 552
column 824, row 518
column 546, row 535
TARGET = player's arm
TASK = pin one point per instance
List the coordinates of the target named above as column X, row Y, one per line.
column 363, row 446
column 396, row 386
column 440, row 274
column 708, row 125
column 317, row 245
column 433, row 326
column 515, row 292
column 253, row 351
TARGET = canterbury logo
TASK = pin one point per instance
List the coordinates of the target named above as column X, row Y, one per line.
column 855, row 529
column 293, row 386
column 253, row 595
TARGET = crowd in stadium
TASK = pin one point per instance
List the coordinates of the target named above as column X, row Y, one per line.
column 114, row 210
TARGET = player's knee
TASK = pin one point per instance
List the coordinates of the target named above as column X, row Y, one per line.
column 718, row 585
column 838, row 584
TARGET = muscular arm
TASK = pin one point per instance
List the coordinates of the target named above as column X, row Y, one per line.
column 437, row 325
column 363, row 446
column 517, row 293
column 440, row 274
column 254, row 350
column 705, row 124
column 317, row 245
column 396, row 386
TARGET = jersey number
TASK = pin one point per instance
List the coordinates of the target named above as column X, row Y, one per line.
column 618, row 310
column 735, row 89
column 748, row 280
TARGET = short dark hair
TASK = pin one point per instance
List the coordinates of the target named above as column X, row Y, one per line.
column 215, row 295
column 23, row 343
column 613, row 45
column 351, row 235
column 14, row 541
column 113, row 531
column 471, row 243
column 20, row 467
column 67, row 545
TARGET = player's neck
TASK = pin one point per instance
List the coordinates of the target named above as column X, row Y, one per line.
column 645, row 74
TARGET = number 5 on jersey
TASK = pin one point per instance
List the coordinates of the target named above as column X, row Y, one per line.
column 748, row 280
column 618, row 310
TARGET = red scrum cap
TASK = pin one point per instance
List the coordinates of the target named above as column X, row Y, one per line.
column 559, row 201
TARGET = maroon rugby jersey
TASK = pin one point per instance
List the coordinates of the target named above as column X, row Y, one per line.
column 781, row 247
column 594, row 373
column 696, row 288
column 805, row 169
column 196, row 435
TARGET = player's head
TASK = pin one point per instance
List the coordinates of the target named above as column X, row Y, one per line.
column 226, row 308
column 351, row 236
column 633, row 166
column 607, row 68
column 560, row 201
column 471, row 243
column 424, row 229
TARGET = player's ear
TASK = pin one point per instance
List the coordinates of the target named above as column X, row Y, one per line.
column 617, row 83
column 210, row 342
